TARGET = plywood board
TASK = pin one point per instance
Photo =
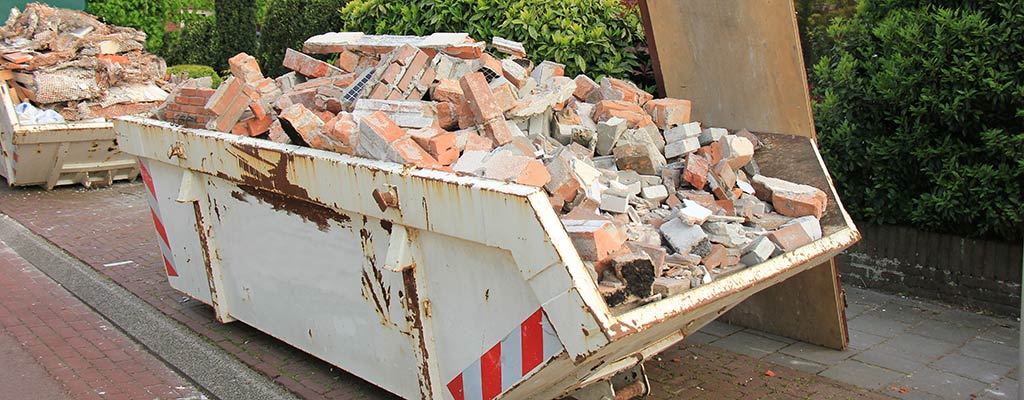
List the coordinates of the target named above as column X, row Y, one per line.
column 807, row 307
column 739, row 61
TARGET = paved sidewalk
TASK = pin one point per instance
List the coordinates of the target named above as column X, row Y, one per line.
column 904, row 347
column 111, row 230
column 58, row 348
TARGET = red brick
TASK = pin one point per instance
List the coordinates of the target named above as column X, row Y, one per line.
column 440, row 144
column 447, row 90
column 383, row 126
column 414, row 154
column 404, row 55
column 631, row 112
column 446, row 117
column 712, row 152
column 413, row 70
column 304, row 121
column 498, row 131
column 245, row 67
column 793, row 204
column 668, row 113
column 696, row 171
column 225, row 95
column 197, row 92
column 476, row 142
column 595, row 239
column 306, row 65
column 347, row 61
column 584, row 85
column 390, row 74
column 482, row 103
column 789, row 237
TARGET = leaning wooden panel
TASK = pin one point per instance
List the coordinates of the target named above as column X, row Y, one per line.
column 739, row 61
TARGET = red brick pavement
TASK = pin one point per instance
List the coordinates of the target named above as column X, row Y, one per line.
column 112, row 225
column 74, row 345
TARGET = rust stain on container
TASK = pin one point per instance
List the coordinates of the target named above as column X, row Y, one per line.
column 308, row 211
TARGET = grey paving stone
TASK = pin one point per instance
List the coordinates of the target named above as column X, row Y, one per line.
column 971, row 367
column 795, row 363
column 864, row 296
column 776, row 338
column 945, row 331
column 700, row 338
column 915, row 395
column 1006, row 389
column 855, row 309
column 749, row 344
column 720, row 329
column 990, row 351
column 928, row 307
column 863, row 340
column 896, row 312
column 967, row 318
column 817, row 354
column 942, row 383
column 1004, row 334
column 890, row 360
column 917, row 347
column 879, row 326
column 859, row 374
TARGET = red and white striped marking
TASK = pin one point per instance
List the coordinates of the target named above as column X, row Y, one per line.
column 522, row 351
column 154, row 209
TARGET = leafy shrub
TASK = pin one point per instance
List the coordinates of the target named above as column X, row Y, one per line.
column 596, row 37
column 281, row 32
column 922, row 114
column 236, row 29
column 151, row 16
column 196, row 71
column 196, row 43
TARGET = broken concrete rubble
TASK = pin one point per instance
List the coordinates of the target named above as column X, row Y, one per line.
column 653, row 202
column 67, row 62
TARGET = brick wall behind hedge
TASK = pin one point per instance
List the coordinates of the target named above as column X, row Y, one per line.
column 980, row 274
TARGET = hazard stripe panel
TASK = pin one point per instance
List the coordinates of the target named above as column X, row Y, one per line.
column 165, row 247
column 517, row 355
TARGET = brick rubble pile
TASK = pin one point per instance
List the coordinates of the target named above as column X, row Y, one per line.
column 67, row 61
column 655, row 203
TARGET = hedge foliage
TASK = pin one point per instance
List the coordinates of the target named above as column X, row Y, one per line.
column 596, row 37
column 921, row 114
column 236, row 29
column 151, row 16
column 197, row 43
column 196, row 71
column 281, row 32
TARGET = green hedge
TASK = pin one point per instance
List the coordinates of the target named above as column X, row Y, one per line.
column 597, row 37
column 151, row 16
column 921, row 114
column 196, row 43
column 236, row 29
column 281, row 32
column 196, row 71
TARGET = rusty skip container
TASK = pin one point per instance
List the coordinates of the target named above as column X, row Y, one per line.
column 437, row 286
column 427, row 284
column 49, row 155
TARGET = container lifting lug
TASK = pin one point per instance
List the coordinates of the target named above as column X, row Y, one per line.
column 629, row 384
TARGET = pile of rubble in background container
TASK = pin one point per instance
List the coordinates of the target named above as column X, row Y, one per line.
column 68, row 62
column 655, row 203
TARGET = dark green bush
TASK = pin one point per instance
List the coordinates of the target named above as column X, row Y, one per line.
column 196, row 43
column 196, row 71
column 921, row 114
column 236, row 29
column 281, row 32
column 596, row 37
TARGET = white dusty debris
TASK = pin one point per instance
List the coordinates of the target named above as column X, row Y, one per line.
column 69, row 62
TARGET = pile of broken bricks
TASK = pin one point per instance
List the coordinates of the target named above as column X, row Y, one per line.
column 653, row 202
column 70, row 62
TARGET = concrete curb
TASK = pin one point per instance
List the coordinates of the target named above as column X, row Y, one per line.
column 217, row 372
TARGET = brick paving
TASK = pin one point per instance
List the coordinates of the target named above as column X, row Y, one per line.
column 76, row 347
column 111, row 230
